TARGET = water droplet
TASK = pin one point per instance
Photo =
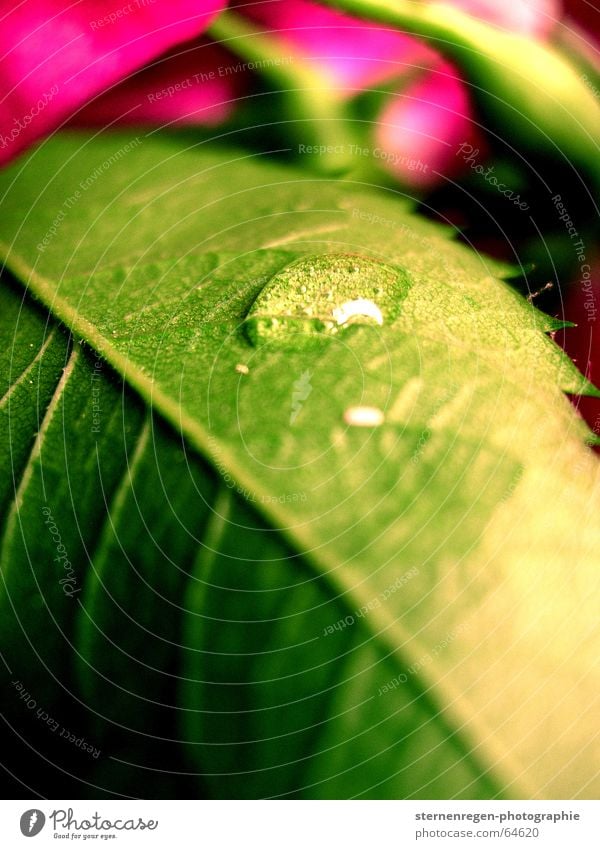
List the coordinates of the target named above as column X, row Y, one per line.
column 317, row 297
column 363, row 416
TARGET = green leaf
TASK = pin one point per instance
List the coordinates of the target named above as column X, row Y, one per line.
column 274, row 601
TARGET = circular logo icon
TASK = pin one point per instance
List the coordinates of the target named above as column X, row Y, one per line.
column 32, row 822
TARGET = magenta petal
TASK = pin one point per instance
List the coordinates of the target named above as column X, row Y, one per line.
column 420, row 130
column 358, row 54
column 196, row 83
column 354, row 53
column 56, row 55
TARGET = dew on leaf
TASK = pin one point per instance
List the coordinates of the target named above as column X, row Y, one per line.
column 317, row 297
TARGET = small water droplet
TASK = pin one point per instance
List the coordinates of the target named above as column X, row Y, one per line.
column 364, row 416
column 315, row 298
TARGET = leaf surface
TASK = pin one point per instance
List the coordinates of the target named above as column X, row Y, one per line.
column 309, row 607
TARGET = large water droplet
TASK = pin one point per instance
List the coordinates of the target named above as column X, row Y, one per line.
column 319, row 296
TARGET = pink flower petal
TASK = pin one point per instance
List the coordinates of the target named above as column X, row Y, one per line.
column 359, row 54
column 354, row 53
column 193, row 84
column 56, row 55
column 420, row 130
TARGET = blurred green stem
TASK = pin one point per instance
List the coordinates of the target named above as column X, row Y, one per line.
column 316, row 112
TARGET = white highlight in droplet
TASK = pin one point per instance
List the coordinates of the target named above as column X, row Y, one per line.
column 363, row 416
column 361, row 307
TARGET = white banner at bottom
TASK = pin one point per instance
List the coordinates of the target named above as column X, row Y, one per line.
column 301, row 824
